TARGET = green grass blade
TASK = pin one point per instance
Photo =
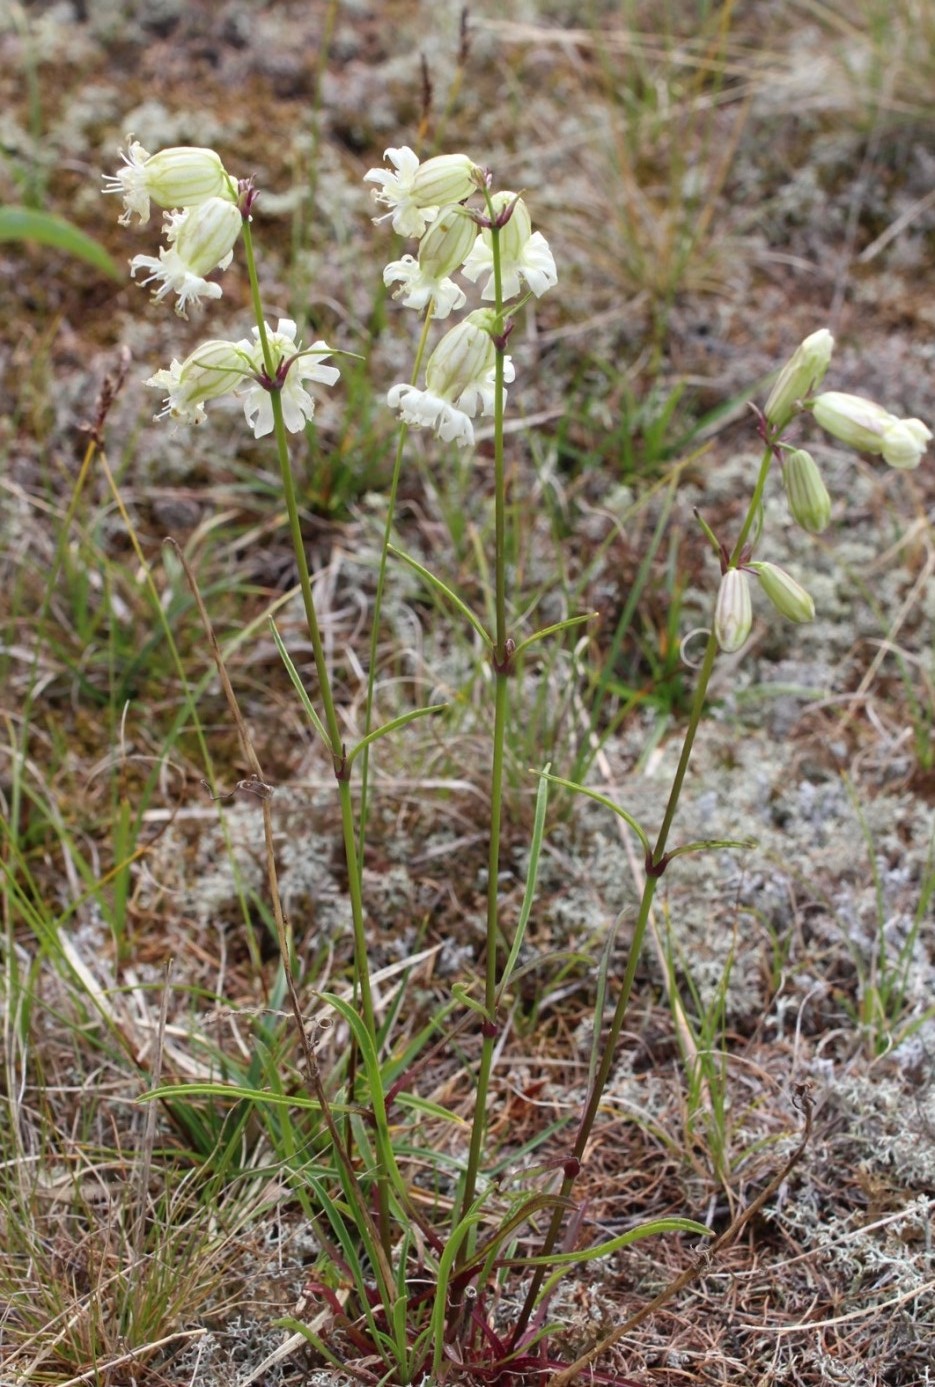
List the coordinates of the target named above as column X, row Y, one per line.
column 24, row 224
column 532, row 876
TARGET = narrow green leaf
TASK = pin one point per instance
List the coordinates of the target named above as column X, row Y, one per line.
column 234, row 1092
column 24, row 224
column 445, row 1264
column 706, row 844
column 424, row 1105
column 459, row 990
column 296, row 678
column 553, row 630
column 643, row 1230
column 394, row 726
column 446, row 592
column 371, row 1061
column 600, row 799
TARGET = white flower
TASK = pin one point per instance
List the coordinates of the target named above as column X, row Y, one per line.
column 420, row 408
column 441, row 250
column 293, row 365
column 415, row 191
column 213, row 369
column 524, row 254
column 201, row 239
column 180, row 177
column 904, row 442
column 459, row 381
column 417, row 288
column 395, row 191
column 854, row 420
column 871, row 428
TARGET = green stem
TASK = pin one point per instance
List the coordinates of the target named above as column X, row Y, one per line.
column 655, row 867
column 378, row 598
column 754, row 506
column 361, row 963
column 502, row 670
column 256, row 301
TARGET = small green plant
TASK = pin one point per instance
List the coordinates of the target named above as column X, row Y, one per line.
column 882, row 1011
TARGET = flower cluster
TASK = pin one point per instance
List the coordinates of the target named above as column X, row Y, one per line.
column 861, row 424
column 427, row 200
column 202, row 223
column 206, row 212
column 220, row 368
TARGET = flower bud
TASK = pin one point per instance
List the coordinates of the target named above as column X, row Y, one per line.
column 787, row 596
column 733, row 615
column 904, row 443
column 854, row 420
column 179, row 177
column 804, row 370
column 807, row 494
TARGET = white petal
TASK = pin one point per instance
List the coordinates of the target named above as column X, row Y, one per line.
column 297, row 405
column 537, row 265
column 424, row 409
column 258, row 411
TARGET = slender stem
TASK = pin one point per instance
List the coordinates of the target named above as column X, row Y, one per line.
column 255, row 299
column 501, row 666
column 378, row 597
column 655, row 867
column 361, row 963
column 754, row 506
column 318, row 651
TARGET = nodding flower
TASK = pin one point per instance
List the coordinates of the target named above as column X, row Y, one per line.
column 179, row 177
